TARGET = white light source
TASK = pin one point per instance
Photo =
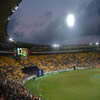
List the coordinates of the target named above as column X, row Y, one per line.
column 10, row 39
column 97, row 43
column 70, row 20
column 16, row 7
column 13, row 10
column 55, row 46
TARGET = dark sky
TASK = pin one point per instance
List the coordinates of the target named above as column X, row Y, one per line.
column 44, row 22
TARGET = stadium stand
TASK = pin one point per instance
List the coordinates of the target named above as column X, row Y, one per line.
column 11, row 74
column 10, row 90
column 13, row 68
column 63, row 61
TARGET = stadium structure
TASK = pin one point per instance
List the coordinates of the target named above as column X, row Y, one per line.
column 46, row 72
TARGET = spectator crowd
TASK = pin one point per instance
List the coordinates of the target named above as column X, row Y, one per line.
column 11, row 70
column 11, row 90
column 68, row 60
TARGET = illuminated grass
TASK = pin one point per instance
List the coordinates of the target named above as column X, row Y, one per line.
column 73, row 85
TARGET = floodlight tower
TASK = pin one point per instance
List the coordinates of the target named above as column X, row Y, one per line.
column 12, row 40
column 70, row 20
column 97, row 43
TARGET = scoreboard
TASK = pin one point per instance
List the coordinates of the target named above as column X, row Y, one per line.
column 22, row 52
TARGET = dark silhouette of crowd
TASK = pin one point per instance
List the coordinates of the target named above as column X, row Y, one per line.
column 11, row 90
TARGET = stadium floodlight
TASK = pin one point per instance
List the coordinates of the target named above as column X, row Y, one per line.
column 11, row 39
column 16, row 7
column 55, row 45
column 70, row 20
column 13, row 10
column 97, row 43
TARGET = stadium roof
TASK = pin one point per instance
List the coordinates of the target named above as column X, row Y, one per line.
column 6, row 7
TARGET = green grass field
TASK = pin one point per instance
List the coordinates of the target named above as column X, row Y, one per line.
column 72, row 85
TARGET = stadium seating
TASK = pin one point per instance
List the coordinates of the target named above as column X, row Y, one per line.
column 11, row 74
column 13, row 68
column 11, row 90
column 63, row 61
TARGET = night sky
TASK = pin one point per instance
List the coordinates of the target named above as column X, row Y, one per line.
column 44, row 22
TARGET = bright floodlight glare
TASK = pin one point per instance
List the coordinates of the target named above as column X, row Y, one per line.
column 16, row 7
column 10, row 39
column 13, row 10
column 97, row 43
column 55, row 45
column 70, row 20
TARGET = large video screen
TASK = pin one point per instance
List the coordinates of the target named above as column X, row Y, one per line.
column 22, row 51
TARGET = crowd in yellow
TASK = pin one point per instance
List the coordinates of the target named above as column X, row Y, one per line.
column 13, row 68
column 64, row 61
